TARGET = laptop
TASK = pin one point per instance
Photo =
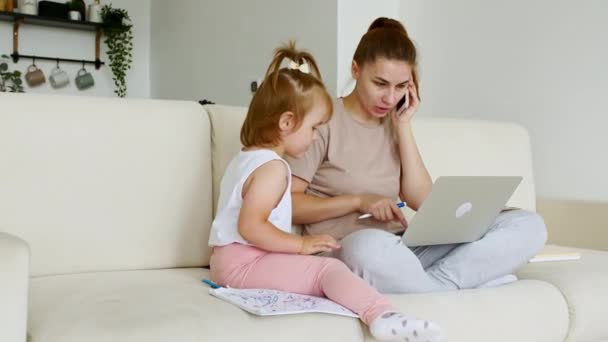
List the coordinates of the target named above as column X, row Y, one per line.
column 459, row 209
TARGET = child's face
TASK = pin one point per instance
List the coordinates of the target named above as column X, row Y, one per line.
column 297, row 142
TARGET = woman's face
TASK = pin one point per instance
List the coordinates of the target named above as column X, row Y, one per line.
column 381, row 84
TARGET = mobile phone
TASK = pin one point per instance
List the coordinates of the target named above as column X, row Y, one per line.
column 403, row 103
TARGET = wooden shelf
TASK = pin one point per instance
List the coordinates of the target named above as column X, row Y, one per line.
column 17, row 19
column 49, row 21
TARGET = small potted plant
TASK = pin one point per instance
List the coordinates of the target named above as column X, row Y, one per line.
column 76, row 9
column 119, row 41
column 10, row 81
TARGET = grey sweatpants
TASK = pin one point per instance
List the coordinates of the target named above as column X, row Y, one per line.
column 381, row 259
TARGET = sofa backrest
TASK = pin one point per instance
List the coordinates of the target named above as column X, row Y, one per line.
column 226, row 122
column 449, row 147
column 97, row 184
column 464, row 147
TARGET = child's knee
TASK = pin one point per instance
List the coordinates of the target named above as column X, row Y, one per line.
column 335, row 265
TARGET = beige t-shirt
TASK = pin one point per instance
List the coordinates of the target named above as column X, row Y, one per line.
column 350, row 157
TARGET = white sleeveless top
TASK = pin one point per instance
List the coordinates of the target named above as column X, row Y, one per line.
column 224, row 229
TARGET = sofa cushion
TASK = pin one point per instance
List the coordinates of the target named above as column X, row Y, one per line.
column 520, row 312
column 584, row 285
column 173, row 305
column 14, row 277
column 97, row 184
column 161, row 305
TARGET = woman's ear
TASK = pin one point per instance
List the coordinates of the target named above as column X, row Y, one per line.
column 287, row 122
column 355, row 70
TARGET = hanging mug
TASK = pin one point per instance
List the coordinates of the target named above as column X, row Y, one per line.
column 28, row 7
column 59, row 78
column 84, row 79
column 34, row 76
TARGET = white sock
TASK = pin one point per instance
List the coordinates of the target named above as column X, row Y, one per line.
column 506, row 279
column 392, row 326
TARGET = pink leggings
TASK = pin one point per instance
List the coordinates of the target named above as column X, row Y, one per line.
column 242, row 266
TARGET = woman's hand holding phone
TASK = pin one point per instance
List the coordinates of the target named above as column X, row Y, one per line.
column 402, row 102
column 407, row 106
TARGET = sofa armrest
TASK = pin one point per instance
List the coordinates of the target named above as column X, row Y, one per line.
column 14, row 281
column 575, row 223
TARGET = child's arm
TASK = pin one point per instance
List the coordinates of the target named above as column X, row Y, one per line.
column 261, row 193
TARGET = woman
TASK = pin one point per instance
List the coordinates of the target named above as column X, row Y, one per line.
column 366, row 159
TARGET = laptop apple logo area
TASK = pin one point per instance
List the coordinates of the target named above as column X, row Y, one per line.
column 459, row 209
column 463, row 209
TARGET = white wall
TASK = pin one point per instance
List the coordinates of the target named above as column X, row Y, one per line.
column 543, row 64
column 221, row 44
column 57, row 42
column 354, row 17
column 214, row 49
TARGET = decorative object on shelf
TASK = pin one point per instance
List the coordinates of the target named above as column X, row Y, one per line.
column 10, row 81
column 9, row 6
column 84, row 79
column 77, row 9
column 52, row 9
column 119, row 40
column 34, row 76
column 28, row 7
column 58, row 78
column 74, row 15
column 94, row 13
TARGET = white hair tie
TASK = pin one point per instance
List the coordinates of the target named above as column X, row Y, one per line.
column 303, row 68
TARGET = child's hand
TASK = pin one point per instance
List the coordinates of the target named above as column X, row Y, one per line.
column 312, row 244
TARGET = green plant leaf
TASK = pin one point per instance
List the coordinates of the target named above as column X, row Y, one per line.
column 119, row 42
column 3, row 67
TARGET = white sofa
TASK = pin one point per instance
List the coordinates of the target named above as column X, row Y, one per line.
column 106, row 205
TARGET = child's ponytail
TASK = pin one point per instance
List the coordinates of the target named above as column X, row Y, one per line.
column 298, row 61
column 292, row 84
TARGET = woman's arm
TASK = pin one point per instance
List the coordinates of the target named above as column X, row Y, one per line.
column 416, row 183
column 311, row 209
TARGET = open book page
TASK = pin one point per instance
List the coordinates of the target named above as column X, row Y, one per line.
column 265, row 302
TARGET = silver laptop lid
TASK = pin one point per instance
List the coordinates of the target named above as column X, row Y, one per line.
column 459, row 209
